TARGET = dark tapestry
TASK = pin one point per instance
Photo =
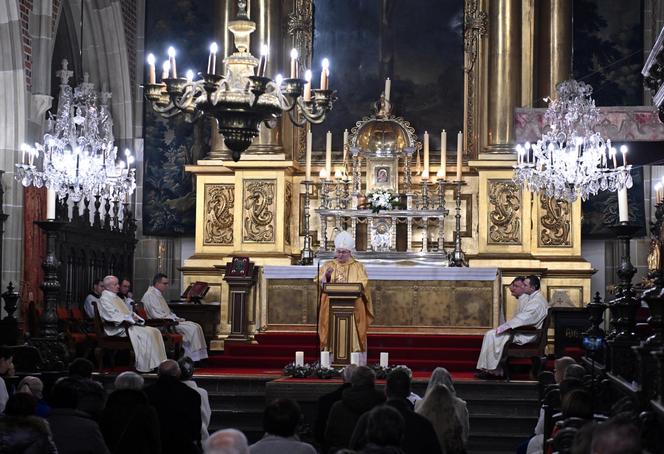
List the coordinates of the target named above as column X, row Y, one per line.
column 169, row 206
column 418, row 44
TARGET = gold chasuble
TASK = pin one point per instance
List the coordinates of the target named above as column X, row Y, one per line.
column 351, row 271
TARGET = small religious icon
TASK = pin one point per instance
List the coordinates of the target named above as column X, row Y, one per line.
column 382, row 175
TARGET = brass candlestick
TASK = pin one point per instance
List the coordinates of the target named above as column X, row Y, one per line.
column 457, row 257
column 307, row 254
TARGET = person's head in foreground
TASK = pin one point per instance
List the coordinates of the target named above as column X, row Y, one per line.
column 385, row 426
column 281, row 417
column 129, row 380
column 227, row 441
column 169, row 368
column 560, row 366
column 618, row 435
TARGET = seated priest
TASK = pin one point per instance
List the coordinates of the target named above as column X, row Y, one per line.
column 344, row 268
column 147, row 342
column 193, row 339
column 531, row 311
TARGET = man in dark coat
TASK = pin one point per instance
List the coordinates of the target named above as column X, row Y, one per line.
column 326, row 401
column 419, row 434
column 361, row 397
column 179, row 411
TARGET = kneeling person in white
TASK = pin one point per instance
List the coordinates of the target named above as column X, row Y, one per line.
column 193, row 339
column 530, row 312
column 147, row 342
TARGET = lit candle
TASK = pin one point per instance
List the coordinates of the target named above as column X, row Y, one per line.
column 299, row 358
column 307, row 85
column 658, row 188
column 171, row 60
column 388, row 87
column 459, row 156
column 24, row 147
column 190, row 75
column 325, row 360
column 165, row 69
column 425, row 175
column 325, row 74
column 426, row 152
column 262, row 63
column 623, row 211
column 328, row 153
column 323, row 174
column 338, row 174
column 307, row 168
column 384, row 359
column 50, row 204
column 212, row 59
column 152, row 75
column 355, row 358
column 293, row 63
column 346, row 145
column 623, row 150
column 612, row 153
column 443, row 155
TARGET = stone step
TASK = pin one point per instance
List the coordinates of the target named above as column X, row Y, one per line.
column 492, row 442
column 507, row 406
column 501, row 423
column 233, row 401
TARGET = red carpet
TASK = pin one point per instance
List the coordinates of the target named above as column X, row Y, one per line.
column 419, row 352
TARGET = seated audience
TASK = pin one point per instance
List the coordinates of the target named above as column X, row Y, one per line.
column 412, row 398
column 385, row 431
column 193, row 338
column 94, row 295
column 186, row 376
column 531, row 311
column 441, row 376
column 227, row 441
column 616, row 436
column 35, row 387
column 146, row 341
column 81, row 368
column 419, row 435
column 125, row 293
column 438, row 406
column 129, row 423
column 178, row 409
column 576, row 371
column 326, row 401
column 21, row 431
column 74, row 431
column 280, row 420
column 361, row 397
column 6, row 367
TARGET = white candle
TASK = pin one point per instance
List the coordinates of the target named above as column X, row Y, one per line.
column 325, row 74
column 262, row 63
column 346, row 145
column 293, row 63
column 355, row 358
column 190, row 75
column 171, row 60
column 325, row 360
column 623, row 211
column 328, row 152
column 388, row 88
column 426, row 152
column 307, row 162
column 307, row 85
column 323, row 174
column 165, row 69
column 443, row 154
column 50, row 204
column 459, row 156
column 212, row 59
column 299, row 358
column 384, row 359
column 623, row 150
column 338, row 174
column 152, row 75
column 425, row 175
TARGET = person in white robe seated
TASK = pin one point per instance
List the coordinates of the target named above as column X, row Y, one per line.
column 531, row 310
column 147, row 342
column 193, row 338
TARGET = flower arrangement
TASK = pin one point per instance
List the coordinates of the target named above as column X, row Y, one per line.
column 382, row 199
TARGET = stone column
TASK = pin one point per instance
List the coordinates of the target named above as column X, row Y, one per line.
column 555, row 47
column 504, row 73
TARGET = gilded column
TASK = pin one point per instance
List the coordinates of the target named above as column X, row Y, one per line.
column 555, row 46
column 504, row 73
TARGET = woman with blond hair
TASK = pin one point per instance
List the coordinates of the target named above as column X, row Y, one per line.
column 441, row 376
column 438, row 407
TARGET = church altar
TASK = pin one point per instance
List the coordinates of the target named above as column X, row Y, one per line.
column 406, row 298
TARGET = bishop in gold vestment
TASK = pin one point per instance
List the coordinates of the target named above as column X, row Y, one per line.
column 344, row 268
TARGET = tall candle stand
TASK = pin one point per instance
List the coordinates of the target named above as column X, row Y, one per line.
column 307, row 254
column 325, row 201
column 457, row 257
column 425, row 202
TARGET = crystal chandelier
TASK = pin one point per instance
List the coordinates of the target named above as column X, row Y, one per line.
column 242, row 98
column 571, row 160
column 77, row 158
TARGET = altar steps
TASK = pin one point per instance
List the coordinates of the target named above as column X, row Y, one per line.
column 419, row 352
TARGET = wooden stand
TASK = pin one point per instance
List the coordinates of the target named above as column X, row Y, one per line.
column 342, row 306
column 241, row 275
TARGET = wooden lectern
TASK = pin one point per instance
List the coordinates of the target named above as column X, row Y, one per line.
column 241, row 275
column 341, row 299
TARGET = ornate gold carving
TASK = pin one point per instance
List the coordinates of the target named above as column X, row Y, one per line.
column 475, row 26
column 504, row 216
column 259, row 211
column 288, row 213
column 219, row 203
column 555, row 222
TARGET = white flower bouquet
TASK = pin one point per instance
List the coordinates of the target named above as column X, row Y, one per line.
column 381, row 199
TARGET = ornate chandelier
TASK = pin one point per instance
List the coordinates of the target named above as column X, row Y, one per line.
column 571, row 160
column 77, row 158
column 242, row 98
